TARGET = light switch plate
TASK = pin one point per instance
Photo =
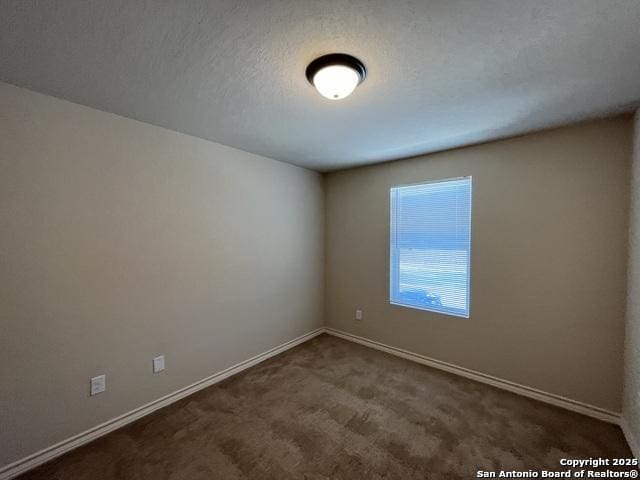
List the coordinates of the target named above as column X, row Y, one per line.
column 358, row 314
column 158, row 364
column 98, row 384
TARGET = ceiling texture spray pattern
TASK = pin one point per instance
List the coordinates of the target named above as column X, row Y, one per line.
column 440, row 73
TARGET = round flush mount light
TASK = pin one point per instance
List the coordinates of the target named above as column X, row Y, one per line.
column 336, row 75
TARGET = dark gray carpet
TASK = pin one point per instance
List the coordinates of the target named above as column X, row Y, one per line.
column 333, row 409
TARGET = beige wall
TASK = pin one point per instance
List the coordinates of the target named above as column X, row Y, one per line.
column 548, row 262
column 121, row 241
column 631, row 403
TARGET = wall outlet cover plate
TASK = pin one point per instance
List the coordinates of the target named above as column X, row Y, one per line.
column 158, row 364
column 98, row 384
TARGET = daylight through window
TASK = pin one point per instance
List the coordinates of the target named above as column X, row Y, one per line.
column 431, row 246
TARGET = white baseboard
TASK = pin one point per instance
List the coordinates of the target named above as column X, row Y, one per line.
column 634, row 445
column 16, row 468
column 551, row 398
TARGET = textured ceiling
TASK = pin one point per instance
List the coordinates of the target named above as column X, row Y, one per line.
column 441, row 73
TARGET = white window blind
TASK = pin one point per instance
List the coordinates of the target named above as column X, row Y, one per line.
column 431, row 246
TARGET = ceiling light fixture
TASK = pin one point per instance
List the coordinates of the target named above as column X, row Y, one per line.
column 336, row 75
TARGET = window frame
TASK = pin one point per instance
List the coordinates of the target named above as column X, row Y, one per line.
column 393, row 254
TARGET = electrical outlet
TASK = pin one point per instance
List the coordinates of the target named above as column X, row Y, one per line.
column 158, row 364
column 98, row 384
column 358, row 314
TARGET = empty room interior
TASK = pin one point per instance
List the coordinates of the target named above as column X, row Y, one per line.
column 294, row 239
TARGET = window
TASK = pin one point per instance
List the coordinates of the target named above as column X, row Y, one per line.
column 431, row 246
